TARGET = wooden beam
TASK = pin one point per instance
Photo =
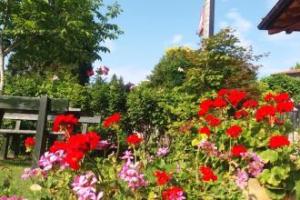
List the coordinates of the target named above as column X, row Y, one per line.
column 42, row 134
column 30, row 104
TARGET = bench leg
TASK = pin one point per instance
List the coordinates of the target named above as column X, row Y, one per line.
column 16, row 145
column 5, row 146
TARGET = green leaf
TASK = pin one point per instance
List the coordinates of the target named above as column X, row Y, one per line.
column 269, row 156
column 297, row 189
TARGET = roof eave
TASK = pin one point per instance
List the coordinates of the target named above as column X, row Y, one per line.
column 276, row 11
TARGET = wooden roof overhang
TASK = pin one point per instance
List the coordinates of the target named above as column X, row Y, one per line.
column 284, row 16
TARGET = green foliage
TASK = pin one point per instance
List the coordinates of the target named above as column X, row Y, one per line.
column 51, row 34
column 169, row 72
column 282, row 82
column 65, row 87
column 221, row 63
column 144, row 110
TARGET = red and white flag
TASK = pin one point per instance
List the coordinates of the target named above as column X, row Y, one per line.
column 201, row 23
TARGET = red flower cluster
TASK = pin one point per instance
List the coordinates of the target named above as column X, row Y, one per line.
column 162, row 177
column 237, row 150
column 173, row 193
column 134, row 139
column 283, row 107
column 207, row 174
column 240, row 114
column 212, row 120
column 76, row 147
column 64, row 122
column 204, row 107
column 204, row 130
column 265, row 112
column 29, row 142
column 236, row 96
column 279, row 103
column 113, row 119
column 278, row 141
column 250, row 104
column 219, row 102
column 234, row 131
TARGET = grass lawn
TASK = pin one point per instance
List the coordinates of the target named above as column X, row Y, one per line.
column 12, row 170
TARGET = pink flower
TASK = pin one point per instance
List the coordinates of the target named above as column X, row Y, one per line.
column 50, row 160
column 103, row 144
column 131, row 174
column 241, row 179
column 127, row 155
column 85, row 187
column 30, row 173
column 162, row 151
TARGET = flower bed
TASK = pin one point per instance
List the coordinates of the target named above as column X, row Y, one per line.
column 233, row 139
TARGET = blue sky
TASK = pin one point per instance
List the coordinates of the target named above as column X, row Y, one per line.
column 152, row 26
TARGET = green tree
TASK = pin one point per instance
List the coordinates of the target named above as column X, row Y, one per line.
column 170, row 71
column 221, row 63
column 50, row 33
column 284, row 83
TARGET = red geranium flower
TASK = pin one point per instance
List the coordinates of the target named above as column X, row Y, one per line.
column 240, row 114
column 284, row 107
column 265, row 112
column 113, row 119
column 207, row 174
column 269, row 97
column 134, row 139
column 219, row 103
column 73, row 158
column 58, row 145
column 237, row 150
column 222, row 92
column 173, row 193
column 204, row 130
column 162, row 177
column 278, row 141
column 66, row 122
column 236, row 96
column 234, row 131
column 29, row 143
column 212, row 120
column 204, row 106
column 282, row 97
column 250, row 104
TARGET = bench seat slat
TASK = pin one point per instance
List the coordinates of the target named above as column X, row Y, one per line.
column 12, row 131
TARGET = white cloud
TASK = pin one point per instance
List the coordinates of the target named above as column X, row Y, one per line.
column 238, row 22
column 177, row 39
column 242, row 26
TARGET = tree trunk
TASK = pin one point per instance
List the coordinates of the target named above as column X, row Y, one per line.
column 1, row 69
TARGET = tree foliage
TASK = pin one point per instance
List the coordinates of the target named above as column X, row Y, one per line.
column 221, row 62
column 43, row 34
column 282, row 82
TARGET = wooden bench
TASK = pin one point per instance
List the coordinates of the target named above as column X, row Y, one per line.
column 41, row 110
column 13, row 135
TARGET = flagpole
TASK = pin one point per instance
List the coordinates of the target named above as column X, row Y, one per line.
column 211, row 18
column 207, row 19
